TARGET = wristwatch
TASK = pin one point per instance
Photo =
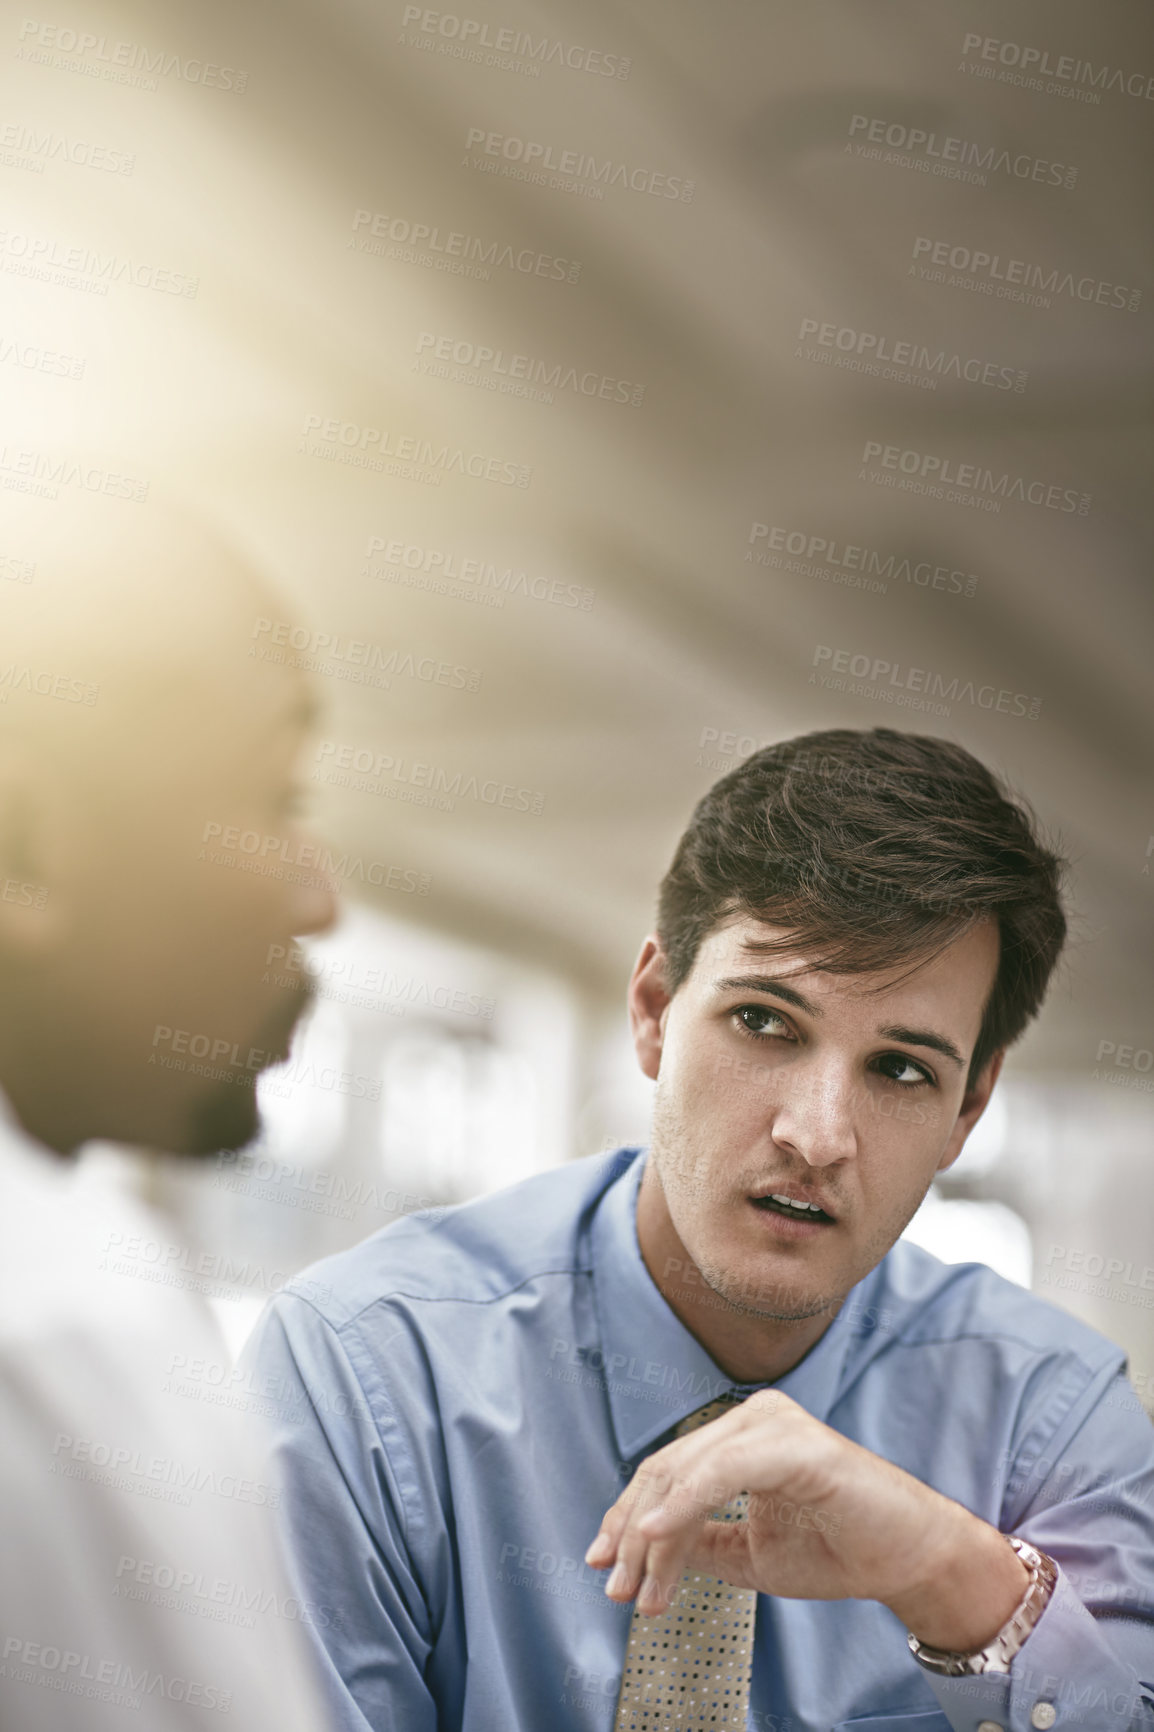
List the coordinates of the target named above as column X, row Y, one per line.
column 997, row 1654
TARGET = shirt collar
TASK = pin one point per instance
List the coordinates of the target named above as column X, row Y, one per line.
column 656, row 1372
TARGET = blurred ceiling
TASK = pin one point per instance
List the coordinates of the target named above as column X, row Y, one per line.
column 755, row 195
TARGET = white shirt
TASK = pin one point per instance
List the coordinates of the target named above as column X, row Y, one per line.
column 140, row 1582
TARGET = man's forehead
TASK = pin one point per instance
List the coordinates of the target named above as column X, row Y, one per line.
column 746, row 947
column 751, row 944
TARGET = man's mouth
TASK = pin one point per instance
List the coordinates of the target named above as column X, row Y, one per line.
column 792, row 1208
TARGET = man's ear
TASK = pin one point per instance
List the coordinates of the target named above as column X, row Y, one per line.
column 974, row 1103
column 32, row 881
column 649, row 1000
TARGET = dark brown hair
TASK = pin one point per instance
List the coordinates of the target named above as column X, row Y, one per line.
column 871, row 848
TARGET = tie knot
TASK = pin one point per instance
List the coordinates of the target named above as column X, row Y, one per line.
column 712, row 1410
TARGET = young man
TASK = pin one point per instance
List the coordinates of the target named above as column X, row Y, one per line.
column 935, row 1489
column 139, row 1581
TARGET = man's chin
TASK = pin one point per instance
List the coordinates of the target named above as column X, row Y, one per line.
column 775, row 1301
column 225, row 1117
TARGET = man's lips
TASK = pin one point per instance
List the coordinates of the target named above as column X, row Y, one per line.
column 793, row 1203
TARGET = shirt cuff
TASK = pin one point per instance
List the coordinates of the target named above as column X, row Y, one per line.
column 1065, row 1676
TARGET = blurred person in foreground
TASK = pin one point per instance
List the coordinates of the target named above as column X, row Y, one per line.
column 837, row 1483
column 140, row 1584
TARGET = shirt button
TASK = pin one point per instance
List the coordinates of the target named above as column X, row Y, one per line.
column 1043, row 1715
column 989, row 1726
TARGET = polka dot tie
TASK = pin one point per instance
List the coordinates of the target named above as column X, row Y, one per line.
column 689, row 1667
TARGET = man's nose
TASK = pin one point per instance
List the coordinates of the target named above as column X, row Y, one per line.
column 817, row 1117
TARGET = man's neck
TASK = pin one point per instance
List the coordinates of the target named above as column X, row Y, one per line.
column 747, row 1346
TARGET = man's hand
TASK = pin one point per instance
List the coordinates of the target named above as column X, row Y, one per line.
column 826, row 1520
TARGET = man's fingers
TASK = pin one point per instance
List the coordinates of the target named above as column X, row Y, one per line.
column 721, row 1549
column 668, row 1499
column 640, row 1495
column 665, row 1564
column 714, row 1548
column 691, row 1497
column 652, row 1547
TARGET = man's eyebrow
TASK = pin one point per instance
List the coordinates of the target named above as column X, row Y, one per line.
column 778, row 989
column 926, row 1037
column 766, row 983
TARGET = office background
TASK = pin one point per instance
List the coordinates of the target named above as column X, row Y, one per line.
column 613, row 389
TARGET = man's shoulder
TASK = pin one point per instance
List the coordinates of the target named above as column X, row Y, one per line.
column 931, row 1302
column 83, row 1260
column 471, row 1253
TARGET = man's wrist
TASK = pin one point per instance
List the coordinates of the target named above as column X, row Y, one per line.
column 972, row 1589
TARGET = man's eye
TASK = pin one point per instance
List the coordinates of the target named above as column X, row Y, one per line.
column 759, row 1019
column 900, row 1069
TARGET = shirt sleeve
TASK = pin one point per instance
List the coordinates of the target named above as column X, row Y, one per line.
column 1081, row 1490
column 352, row 1507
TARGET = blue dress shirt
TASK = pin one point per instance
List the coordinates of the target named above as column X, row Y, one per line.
column 477, row 1384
